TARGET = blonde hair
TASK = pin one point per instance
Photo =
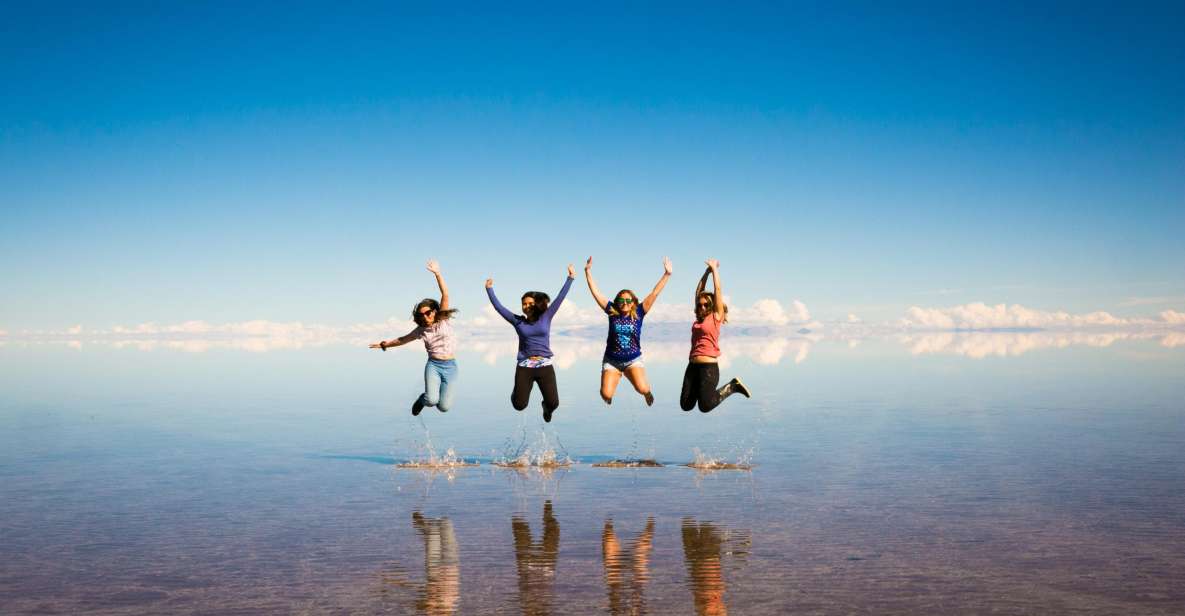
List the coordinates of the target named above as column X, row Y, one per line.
column 632, row 313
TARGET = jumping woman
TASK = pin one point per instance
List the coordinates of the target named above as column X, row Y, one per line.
column 533, row 327
column 433, row 327
column 703, row 372
column 623, row 346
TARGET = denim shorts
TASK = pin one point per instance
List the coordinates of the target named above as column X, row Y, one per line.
column 620, row 366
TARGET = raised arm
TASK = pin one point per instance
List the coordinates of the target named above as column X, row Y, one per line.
column 559, row 299
column 592, row 286
column 506, row 314
column 717, row 290
column 400, row 341
column 662, row 283
column 434, row 267
column 703, row 283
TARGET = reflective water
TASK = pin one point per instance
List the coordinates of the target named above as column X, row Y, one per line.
column 889, row 476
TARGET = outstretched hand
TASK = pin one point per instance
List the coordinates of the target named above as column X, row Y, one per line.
column 433, row 266
column 379, row 345
column 588, row 264
column 571, row 271
column 713, row 263
column 489, row 283
column 667, row 266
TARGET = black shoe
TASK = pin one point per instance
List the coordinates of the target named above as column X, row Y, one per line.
column 649, row 398
column 417, row 406
column 740, row 388
column 547, row 414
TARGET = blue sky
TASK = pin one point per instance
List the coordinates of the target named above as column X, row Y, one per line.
column 165, row 163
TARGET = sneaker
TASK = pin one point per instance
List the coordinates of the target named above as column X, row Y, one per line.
column 417, row 406
column 740, row 388
column 649, row 398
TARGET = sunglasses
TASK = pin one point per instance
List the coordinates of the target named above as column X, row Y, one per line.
column 704, row 304
column 427, row 312
column 624, row 300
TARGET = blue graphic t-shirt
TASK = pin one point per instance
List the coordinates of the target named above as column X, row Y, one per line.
column 624, row 342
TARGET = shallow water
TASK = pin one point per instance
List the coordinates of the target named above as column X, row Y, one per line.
column 884, row 479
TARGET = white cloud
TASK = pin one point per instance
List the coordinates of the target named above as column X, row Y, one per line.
column 980, row 316
column 1173, row 317
column 978, row 345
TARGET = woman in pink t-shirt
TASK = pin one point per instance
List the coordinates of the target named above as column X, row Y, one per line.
column 703, row 370
column 433, row 327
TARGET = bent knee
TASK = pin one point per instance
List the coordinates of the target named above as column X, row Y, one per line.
column 518, row 404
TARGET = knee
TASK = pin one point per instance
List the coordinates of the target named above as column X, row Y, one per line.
column 518, row 404
column 687, row 404
column 431, row 398
column 443, row 406
column 606, row 394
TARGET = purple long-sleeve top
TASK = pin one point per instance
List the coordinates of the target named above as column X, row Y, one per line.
column 534, row 339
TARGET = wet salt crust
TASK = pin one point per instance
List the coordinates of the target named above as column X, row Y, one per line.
column 884, row 482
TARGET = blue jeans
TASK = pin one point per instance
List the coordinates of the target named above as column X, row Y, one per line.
column 439, row 375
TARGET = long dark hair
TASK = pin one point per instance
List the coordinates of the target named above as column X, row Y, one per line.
column 711, row 297
column 541, row 301
column 441, row 315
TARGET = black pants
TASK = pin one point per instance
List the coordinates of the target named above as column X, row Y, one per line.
column 699, row 387
column 524, row 378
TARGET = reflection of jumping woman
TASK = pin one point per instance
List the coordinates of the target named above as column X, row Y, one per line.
column 703, row 372
column 433, row 327
column 533, row 327
column 623, row 347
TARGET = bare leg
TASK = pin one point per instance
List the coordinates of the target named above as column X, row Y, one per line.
column 637, row 376
column 609, row 381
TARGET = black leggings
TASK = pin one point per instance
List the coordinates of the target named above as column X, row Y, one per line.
column 525, row 377
column 699, row 386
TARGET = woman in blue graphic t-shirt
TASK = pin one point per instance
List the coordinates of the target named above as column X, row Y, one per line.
column 623, row 347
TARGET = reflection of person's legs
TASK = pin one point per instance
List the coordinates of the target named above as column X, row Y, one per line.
column 547, row 386
column 521, row 395
column 610, row 377
column 441, row 565
column 447, row 373
column 431, row 396
column 687, row 397
column 536, row 562
column 701, row 552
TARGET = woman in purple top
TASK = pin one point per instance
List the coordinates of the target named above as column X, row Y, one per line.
column 533, row 327
column 623, row 346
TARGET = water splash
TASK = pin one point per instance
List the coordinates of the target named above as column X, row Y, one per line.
column 706, row 462
column 426, row 457
column 543, row 452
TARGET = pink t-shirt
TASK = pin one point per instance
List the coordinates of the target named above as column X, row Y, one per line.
column 705, row 337
column 438, row 339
